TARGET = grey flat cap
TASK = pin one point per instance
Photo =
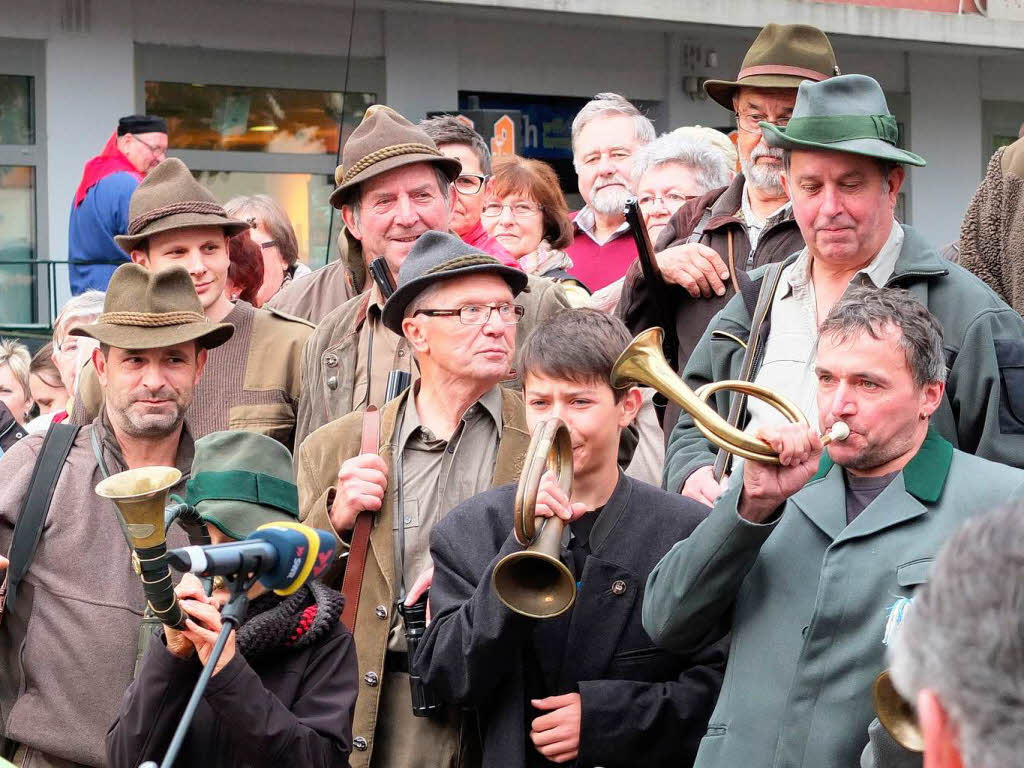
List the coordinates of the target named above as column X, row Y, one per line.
column 439, row 256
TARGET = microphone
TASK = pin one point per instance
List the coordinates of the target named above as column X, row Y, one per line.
column 283, row 555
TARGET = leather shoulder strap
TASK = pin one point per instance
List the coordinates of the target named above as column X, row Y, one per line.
column 29, row 528
column 353, row 581
column 702, row 223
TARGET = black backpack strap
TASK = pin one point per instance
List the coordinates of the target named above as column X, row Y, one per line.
column 29, row 527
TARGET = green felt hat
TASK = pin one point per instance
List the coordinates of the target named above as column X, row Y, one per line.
column 847, row 113
column 241, row 480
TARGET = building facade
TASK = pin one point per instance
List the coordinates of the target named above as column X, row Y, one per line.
column 259, row 93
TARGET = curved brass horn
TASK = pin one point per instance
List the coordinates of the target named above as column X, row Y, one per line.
column 896, row 714
column 643, row 363
column 534, row 582
column 140, row 496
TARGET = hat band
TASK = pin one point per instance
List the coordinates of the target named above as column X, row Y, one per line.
column 460, row 262
column 782, row 69
column 239, row 485
column 386, row 153
column 151, row 319
column 189, row 206
column 829, row 129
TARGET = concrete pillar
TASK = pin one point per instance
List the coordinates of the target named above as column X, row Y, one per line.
column 89, row 85
column 422, row 62
column 945, row 129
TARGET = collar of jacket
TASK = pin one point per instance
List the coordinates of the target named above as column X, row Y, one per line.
column 925, row 475
column 610, row 514
column 724, row 210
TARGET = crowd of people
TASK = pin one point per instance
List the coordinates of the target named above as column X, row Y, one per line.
column 728, row 610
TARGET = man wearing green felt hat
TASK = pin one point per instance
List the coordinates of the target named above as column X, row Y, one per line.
column 286, row 681
column 843, row 169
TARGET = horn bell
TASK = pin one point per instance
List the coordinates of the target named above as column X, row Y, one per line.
column 140, row 496
column 896, row 714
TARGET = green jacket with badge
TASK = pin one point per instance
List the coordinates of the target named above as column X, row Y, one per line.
column 983, row 408
column 807, row 598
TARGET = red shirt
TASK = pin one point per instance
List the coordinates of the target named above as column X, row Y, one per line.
column 478, row 238
column 599, row 265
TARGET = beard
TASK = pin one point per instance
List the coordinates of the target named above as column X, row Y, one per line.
column 606, row 200
column 141, row 421
column 766, row 177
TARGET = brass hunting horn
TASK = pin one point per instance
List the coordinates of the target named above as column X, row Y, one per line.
column 534, row 582
column 140, row 496
column 896, row 714
column 643, row 363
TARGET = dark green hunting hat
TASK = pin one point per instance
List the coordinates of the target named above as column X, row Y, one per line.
column 782, row 56
column 242, row 480
column 843, row 114
column 438, row 256
column 146, row 310
column 170, row 198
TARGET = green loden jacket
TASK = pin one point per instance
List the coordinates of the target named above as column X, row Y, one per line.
column 983, row 408
column 807, row 598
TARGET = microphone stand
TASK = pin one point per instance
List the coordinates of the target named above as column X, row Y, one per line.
column 231, row 616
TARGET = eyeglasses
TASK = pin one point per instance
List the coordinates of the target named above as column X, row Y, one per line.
column 478, row 314
column 521, row 210
column 669, row 200
column 750, row 122
column 157, row 151
column 269, row 244
column 470, row 183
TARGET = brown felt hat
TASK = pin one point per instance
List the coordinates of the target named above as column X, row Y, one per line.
column 782, row 56
column 146, row 310
column 170, row 198
column 385, row 140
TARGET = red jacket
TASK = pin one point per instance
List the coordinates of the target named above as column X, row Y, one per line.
column 479, row 238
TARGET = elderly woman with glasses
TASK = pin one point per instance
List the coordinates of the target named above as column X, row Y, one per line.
column 272, row 231
column 677, row 167
column 525, row 211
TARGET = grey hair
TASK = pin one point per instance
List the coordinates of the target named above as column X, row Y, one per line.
column 87, row 305
column 265, row 210
column 962, row 638
column 354, row 197
column 709, row 164
column 423, row 298
column 448, row 129
column 870, row 310
column 611, row 104
column 16, row 356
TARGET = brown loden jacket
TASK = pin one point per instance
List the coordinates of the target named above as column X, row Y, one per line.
column 319, row 459
column 260, row 394
column 329, row 359
column 779, row 239
column 67, row 652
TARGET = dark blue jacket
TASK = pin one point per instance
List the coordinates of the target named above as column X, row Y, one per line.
column 102, row 214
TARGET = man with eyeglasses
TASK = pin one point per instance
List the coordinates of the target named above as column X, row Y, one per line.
column 710, row 242
column 450, row 436
column 394, row 186
column 100, row 209
column 455, row 137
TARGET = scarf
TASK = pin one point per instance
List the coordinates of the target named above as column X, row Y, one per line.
column 274, row 622
column 545, row 259
column 111, row 160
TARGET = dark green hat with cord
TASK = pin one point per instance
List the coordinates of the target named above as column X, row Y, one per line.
column 242, row 480
column 847, row 113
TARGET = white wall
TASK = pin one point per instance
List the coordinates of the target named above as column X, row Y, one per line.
column 946, row 131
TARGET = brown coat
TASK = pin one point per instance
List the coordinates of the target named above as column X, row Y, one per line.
column 637, row 307
column 255, row 388
column 67, row 652
column 319, row 458
column 329, row 359
column 314, row 296
column 992, row 234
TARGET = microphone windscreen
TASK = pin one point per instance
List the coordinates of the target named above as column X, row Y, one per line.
column 317, row 555
column 325, row 555
column 293, row 555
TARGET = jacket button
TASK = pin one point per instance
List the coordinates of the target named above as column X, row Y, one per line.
column 331, row 361
column 359, row 743
column 371, row 679
column 332, row 382
column 382, row 612
column 618, row 587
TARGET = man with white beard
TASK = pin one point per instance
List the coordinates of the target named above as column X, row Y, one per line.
column 712, row 241
column 606, row 134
